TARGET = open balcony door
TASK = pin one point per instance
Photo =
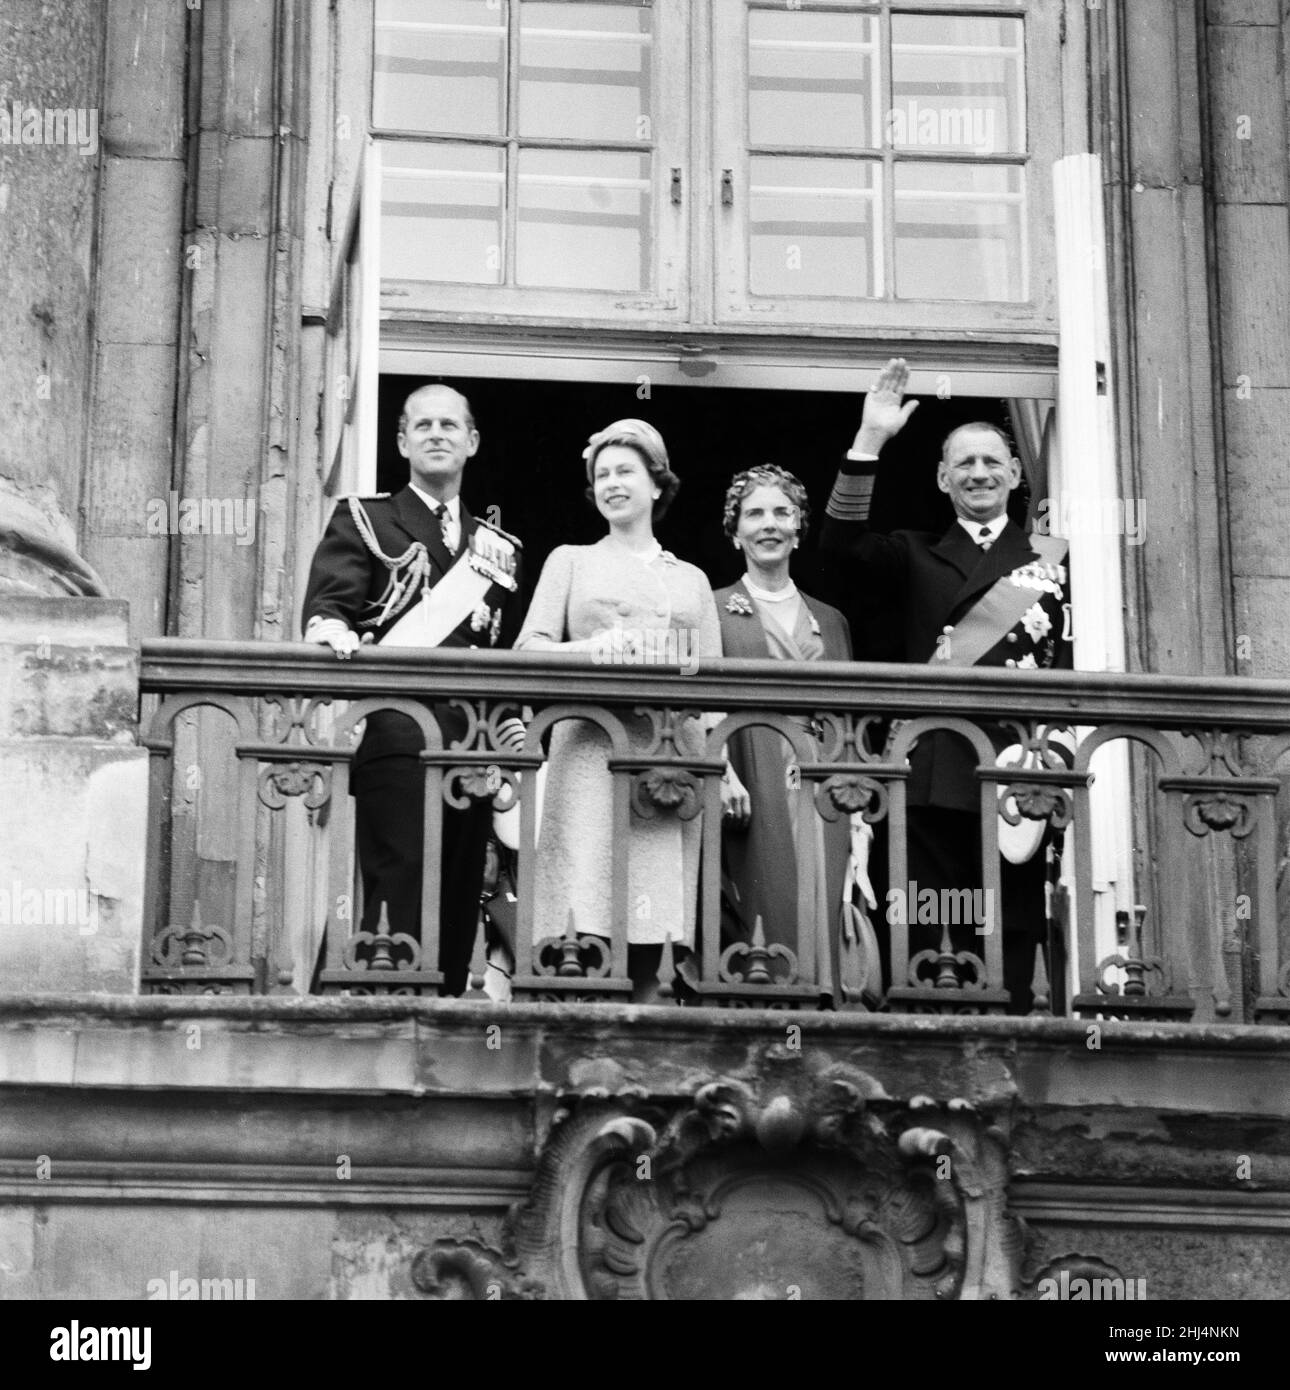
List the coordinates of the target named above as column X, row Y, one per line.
column 354, row 347
column 1083, row 468
column 349, row 409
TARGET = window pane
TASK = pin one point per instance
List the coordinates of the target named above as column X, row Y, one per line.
column 811, row 228
column 584, row 220
column 441, row 213
column 960, row 232
column 958, row 84
column 439, row 68
column 812, row 79
column 585, row 72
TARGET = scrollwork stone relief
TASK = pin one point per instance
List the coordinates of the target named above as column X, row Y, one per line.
column 809, row 1183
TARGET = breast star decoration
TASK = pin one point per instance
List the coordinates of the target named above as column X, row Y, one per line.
column 1036, row 622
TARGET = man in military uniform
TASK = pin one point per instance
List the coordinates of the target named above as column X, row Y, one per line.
column 416, row 569
column 981, row 594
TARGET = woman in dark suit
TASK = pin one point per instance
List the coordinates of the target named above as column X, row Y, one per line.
column 765, row 615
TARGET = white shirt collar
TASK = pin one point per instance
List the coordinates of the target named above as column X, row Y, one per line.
column 973, row 528
column 454, row 505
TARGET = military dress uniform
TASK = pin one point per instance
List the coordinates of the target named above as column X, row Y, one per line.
column 1005, row 605
column 384, row 567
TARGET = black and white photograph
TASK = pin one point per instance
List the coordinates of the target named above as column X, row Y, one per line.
column 644, row 656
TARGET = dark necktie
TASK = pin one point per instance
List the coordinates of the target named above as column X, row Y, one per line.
column 445, row 523
column 983, row 538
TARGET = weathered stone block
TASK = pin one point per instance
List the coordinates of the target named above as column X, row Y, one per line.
column 1247, row 97
column 72, row 837
column 146, row 65
column 1254, row 281
column 66, row 671
column 74, row 816
column 246, row 186
column 1261, row 606
column 1256, row 422
column 138, row 271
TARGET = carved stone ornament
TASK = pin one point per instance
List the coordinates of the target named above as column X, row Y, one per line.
column 464, row 1269
column 1218, row 811
column 666, row 789
column 850, row 793
column 1038, row 803
column 810, row 1183
column 279, row 781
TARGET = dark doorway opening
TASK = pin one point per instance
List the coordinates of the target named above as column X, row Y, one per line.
column 530, row 470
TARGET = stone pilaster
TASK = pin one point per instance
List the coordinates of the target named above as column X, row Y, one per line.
column 74, row 811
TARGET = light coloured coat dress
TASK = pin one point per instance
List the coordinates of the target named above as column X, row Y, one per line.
column 584, row 592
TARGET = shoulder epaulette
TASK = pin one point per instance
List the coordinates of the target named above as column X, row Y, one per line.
column 415, row 552
column 497, row 531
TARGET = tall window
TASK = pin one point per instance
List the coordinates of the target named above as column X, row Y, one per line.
column 862, row 163
column 533, row 152
column 888, row 163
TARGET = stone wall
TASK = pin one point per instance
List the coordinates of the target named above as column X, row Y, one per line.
column 51, row 56
column 1250, row 178
column 347, row 1149
column 73, row 813
column 140, row 270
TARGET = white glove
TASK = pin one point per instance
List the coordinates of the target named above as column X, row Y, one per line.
column 857, row 872
column 333, row 633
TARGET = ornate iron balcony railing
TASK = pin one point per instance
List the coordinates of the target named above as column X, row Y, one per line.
column 251, row 881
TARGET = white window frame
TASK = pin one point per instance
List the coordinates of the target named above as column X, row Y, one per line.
column 666, row 300
column 734, row 303
column 761, row 366
column 351, row 380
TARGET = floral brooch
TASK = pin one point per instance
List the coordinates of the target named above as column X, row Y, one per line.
column 481, row 617
column 737, row 603
column 815, row 626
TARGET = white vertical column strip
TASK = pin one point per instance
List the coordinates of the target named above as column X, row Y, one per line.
column 369, row 320
column 1086, row 505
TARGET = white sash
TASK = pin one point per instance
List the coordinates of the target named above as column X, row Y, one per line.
column 441, row 610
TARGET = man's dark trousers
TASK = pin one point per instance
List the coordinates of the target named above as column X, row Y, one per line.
column 944, row 852
column 390, row 800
